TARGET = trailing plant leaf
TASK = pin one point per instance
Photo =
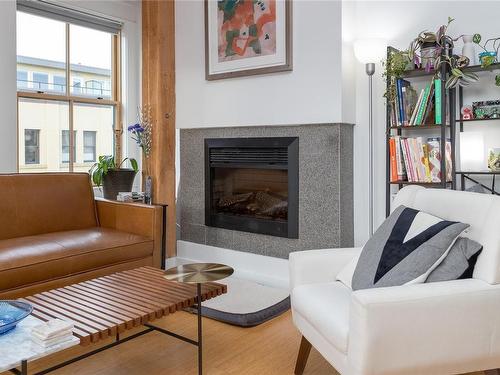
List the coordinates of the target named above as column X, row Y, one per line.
column 457, row 72
column 476, row 38
column 451, row 82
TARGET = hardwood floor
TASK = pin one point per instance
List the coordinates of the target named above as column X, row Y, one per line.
column 268, row 349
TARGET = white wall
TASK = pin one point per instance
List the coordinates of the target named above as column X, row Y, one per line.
column 8, row 105
column 327, row 83
column 399, row 22
column 311, row 93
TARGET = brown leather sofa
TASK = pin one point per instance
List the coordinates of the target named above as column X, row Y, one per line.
column 53, row 233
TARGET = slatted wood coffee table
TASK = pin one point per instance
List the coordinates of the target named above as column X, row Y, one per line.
column 107, row 306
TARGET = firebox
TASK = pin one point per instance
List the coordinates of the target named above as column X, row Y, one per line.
column 252, row 185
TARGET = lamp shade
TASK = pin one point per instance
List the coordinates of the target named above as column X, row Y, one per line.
column 370, row 50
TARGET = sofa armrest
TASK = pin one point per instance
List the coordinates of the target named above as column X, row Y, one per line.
column 316, row 266
column 142, row 219
column 433, row 328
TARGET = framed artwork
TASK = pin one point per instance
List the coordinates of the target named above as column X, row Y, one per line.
column 247, row 37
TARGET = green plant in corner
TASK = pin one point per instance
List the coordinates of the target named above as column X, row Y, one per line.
column 394, row 66
column 107, row 163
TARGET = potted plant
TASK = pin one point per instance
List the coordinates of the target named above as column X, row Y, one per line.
column 488, row 56
column 112, row 177
column 429, row 50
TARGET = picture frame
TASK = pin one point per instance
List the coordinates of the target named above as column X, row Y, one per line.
column 237, row 49
column 489, row 109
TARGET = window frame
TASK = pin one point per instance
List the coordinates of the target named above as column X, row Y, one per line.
column 114, row 101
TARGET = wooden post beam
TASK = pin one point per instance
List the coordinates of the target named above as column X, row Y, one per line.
column 158, row 91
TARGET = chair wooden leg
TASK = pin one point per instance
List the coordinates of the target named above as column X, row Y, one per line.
column 492, row 372
column 304, row 350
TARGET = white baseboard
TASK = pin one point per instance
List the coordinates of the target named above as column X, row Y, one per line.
column 266, row 270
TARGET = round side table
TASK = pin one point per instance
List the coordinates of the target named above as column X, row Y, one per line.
column 198, row 273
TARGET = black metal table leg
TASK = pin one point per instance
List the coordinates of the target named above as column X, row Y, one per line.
column 24, row 367
column 200, row 338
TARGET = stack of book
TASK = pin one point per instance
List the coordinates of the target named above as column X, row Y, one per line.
column 410, row 109
column 130, row 197
column 52, row 332
column 416, row 160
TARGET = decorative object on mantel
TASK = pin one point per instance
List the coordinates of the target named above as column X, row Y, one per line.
column 488, row 56
column 489, row 109
column 244, row 38
column 467, row 112
column 494, row 159
column 112, row 177
column 468, row 49
column 142, row 134
column 11, row 313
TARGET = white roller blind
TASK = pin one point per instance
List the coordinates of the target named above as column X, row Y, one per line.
column 62, row 13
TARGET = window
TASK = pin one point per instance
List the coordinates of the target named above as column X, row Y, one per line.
column 65, row 146
column 31, row 146
column 94, row 88
column 40, row 81
column 22, row 79
column 89, row 146
column 59, row 84
column 74, row 74
column 77, row 86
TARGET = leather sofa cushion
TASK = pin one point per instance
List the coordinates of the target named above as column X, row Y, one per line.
column 27, row 260
column 326, row 307
column 46, row 202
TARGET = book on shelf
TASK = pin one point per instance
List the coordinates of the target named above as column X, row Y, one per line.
column 404, row 103
column 438, row 101
column 412, row 108
column 418, row 160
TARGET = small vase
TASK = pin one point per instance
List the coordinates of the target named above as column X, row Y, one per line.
column 148, row 190
column 469, row 50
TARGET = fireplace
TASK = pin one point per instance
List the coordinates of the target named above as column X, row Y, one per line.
column 252, row 185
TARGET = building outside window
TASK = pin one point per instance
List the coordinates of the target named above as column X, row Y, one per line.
column 89, row 146
column 65, row 146
column 31, row 146
column 94, row 88
column 59, row 83
column 77, row 86
column 41, row 81
column 22, row 79
column 87, row 100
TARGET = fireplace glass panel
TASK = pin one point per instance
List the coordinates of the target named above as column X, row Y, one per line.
column 258, row 193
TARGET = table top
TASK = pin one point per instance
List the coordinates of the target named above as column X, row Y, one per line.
column 195, row 273
column 16, row 345
column 102, row 307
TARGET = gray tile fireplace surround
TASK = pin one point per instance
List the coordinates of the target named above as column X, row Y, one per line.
column 325, row 189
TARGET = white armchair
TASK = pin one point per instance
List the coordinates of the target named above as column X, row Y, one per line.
column 437, row 328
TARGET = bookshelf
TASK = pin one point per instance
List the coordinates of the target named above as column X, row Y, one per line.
column 472, row 175
column 446, row 130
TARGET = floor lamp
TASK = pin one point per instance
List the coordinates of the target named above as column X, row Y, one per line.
column 368, row 52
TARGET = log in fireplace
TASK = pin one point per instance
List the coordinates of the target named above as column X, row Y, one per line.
column 252, row 185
